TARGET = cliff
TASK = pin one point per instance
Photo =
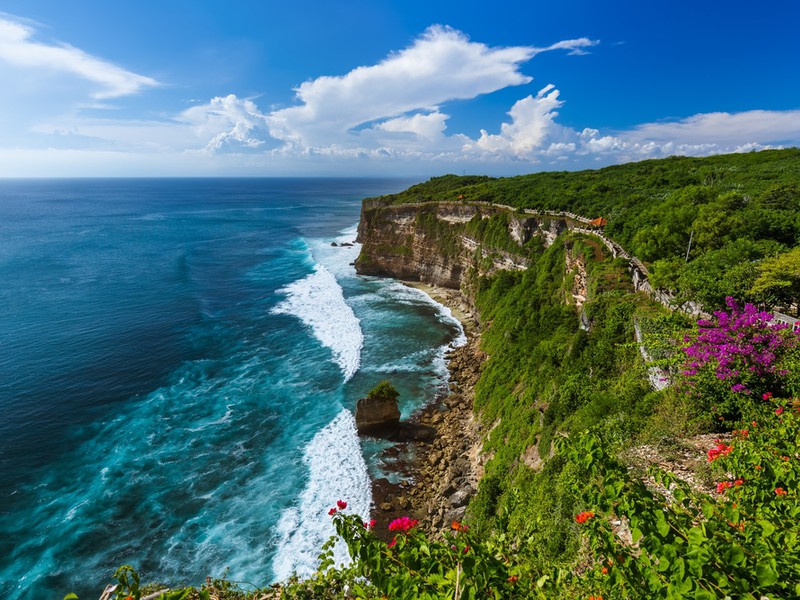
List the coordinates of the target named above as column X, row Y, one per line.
column 441, row 243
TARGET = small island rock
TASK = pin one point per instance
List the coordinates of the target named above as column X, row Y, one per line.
column 378, row 411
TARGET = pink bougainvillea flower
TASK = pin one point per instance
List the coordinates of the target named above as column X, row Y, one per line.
column 766, row 396
column 392, row 543
column 341, row 504
column 403, row 524
column 779, row 410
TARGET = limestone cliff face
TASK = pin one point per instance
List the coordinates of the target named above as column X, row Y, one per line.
column 439, row 243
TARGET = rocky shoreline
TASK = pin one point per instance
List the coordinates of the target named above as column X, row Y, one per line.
column 441, row 443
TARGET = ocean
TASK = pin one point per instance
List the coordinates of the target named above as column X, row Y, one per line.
column 179, row 363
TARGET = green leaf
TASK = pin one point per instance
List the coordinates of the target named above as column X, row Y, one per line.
column 766, row 527
column 701, row 594
column 696, row 536
column 70, row 597
column 636, row 534
column 734, row 555
column 766, row 573
column 662, row 525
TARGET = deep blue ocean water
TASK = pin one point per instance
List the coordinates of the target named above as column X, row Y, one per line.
column 179, row 360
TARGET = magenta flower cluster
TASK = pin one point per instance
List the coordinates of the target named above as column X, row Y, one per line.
column 742, row 343
column 404, row 524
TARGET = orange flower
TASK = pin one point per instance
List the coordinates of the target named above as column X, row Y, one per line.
column 584, row 516
column 604, row 570
column 455, row 525
column 780, row 491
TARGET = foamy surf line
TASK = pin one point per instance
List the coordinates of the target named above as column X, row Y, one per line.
column 405, row 292
column 318, row 301
column 336, row 471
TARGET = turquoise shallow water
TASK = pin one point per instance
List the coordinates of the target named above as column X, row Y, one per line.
column 179, row 359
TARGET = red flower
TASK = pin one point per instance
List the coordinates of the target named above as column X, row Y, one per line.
column 512, row 579
column 392, row 543
column 779, row 491
column 766, row 396
column 779, row 410
column 582, row 517
column 403, row 524
column 466, row 549
column 739, row 482
column 369, row 525
column 719, row 450
column 341, row 504
column 722, row 486
column 332, row 512
column 604, row 570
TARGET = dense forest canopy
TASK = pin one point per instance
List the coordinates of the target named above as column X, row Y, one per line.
column 741, row 213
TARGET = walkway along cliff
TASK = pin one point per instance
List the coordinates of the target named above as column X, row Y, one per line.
column 434, row 243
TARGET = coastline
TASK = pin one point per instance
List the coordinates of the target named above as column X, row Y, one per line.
column 444, row 462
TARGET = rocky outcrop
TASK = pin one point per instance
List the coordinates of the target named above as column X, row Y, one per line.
column 431, row 242
column 374, row 415
column 378, row 413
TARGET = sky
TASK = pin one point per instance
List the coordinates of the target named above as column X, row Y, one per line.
column 389, row 88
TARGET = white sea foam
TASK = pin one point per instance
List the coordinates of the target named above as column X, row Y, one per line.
column 318, row 301
column 410, row 295
column 337, row 471
column 338, row 259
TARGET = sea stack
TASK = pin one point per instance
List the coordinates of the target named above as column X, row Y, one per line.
column 378, row 413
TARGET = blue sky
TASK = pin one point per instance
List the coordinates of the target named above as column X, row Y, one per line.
column 182, row 88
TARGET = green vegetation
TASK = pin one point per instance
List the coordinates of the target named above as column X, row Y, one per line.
column 384, row 390
column 560, row 511
column 737, row 209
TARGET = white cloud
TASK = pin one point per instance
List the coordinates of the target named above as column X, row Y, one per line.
column 227, row 122
column 533, row 135
column 429, row 126
column 19, row 49
column 532, row 125
column 575, row 47
column 728, row 129
column 440, row 66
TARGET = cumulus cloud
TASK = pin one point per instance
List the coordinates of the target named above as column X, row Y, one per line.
column 532, row 125
column 19, row 49
column 228, row 123
column 440, row 66
column 533, row 135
